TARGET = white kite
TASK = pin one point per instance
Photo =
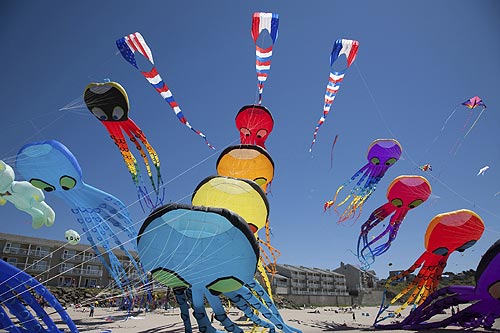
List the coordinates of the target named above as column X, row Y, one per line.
column 483, row 170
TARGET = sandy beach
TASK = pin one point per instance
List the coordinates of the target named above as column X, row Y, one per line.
column 309, row 320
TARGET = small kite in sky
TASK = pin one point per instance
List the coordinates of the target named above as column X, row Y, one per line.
column 471, row 104
column 483, row 170
column 425, row 167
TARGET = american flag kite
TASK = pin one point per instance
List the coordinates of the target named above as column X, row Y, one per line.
column 132, row 43
column 261, row 22
column 341, row 46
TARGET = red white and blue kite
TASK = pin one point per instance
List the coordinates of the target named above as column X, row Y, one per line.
column 263, row 22
column 132, row 43
column 349, row 48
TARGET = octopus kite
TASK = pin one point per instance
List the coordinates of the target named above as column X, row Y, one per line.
column 24, row 197
column 263, row 22
column 248, row 162
column 255, row 123
column 446, row 233
column 18, row 294
column 404, row 194
column 203, row 252
column 132, row 43
column 382, row 154
column 51, row 167
column 109, row 103
column 346, row 47
column 482, row 301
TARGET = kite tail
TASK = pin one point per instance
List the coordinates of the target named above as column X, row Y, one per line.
column 161, row 87
column 475, row 122
column 262, row 67
column 331, row 152
column 332, row 88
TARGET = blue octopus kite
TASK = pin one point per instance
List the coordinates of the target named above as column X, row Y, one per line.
column 51, row 167
column 203, row 252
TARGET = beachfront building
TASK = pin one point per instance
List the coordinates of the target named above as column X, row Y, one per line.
column 358, row 281
column 310, row 285
column 60, row 264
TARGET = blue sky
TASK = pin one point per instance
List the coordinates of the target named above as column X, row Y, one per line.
column 416, row 62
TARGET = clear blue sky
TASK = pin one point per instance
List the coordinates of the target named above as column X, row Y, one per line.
column 417, row 61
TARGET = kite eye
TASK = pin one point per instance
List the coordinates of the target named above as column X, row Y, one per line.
column 375, row 160
column 224, row 285
column 67, row 182
column 99, row 113
column 397, row 202
column 494, row 290
column 261, row 133
column 466, row 246
column 390, row 161
column 118, row 113
column 261, row 181
column 415, row 203
column 245, row 131
column 42, row 185
column 441, row 251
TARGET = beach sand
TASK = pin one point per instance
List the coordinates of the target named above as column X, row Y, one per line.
column 309, row 320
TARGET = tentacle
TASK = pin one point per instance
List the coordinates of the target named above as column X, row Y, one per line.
column 180, row 297
column 117, row 136
column 242, row 305
column 254, row 285
column 381, row 249
column 198, row 304
column 110, row 209
column 17, row 309
column 220, row 313
column 152, row 153
column 7, row 324
column 28, row 298
column 131, row 133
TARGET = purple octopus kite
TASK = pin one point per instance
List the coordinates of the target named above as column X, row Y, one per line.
column 382, row 154
column 485, row 299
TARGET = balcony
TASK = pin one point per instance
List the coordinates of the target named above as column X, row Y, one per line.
column 39, row 253
column 37, row 268
column 80, row 271
column 15, row 250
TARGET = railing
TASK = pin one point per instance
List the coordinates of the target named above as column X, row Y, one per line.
column 37, row 268
column 80, row 271
column 15, row 250
column 74, row 257
column 39, row 253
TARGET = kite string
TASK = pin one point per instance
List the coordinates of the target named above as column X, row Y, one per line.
column 405, row 153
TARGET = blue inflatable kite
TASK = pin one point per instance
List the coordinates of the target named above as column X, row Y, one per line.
column 17, row 294
column 203, row 252
column 50, row 166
